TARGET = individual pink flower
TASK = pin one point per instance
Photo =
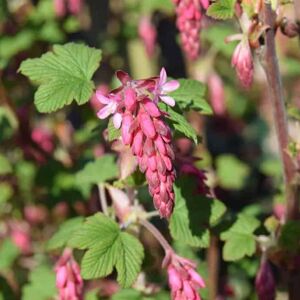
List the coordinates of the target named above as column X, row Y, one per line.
column 68, row 278
column 184, row 281
column 94, row 102
column 242, row 61
column 164, row 87
column 43, row 138
column 279, row 211
column 265, row 282
column 20, row 235
column 35, row 214
column 111, row 105
column 147, row 33
column 59, row 8
column 189, row 15
column 75, row 6
column 143, row 129
column 217, row 94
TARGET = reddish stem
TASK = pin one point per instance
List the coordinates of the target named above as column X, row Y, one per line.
column 270, row 64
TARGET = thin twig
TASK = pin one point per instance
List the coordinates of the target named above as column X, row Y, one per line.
column 102, row 197
column 156, row 233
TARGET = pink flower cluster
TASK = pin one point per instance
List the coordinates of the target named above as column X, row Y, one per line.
column 135, row 111
column 184, row 281
column 242, row 61
column 189, row 14
column 62, row 6
column 68, row 278
column 147, row 33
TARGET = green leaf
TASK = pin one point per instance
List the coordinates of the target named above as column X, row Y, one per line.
column 63, row 75
column 113, row 133
column 239, row 239
column 238, row 246
column 271, row 167
column 5, row 166
column 190, row 95
column 222, row 9
column 180, row 123
column 100, row 170
column 108, row 248
column 8, row 254
column 126, row 294
column 193, row 214
column 130, row 256
column 64, row 233
column 232, row 173
column 41, row 284
column 290, row 236
column 148, row 7
column 6, row 192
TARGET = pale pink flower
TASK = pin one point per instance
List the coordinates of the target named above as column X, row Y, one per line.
column 242, row 61
column 75, row 6
column 279, row 211
column 68, row 278
column 20, row 235
column 164, row 87
column 111, row 105
column 43, row 138
column 59, row 7
column 184, row 281
column 95, row 103
column 217, row 94
column 121, row 203
column 265, row 282
column 35, row 214
column 147, row 33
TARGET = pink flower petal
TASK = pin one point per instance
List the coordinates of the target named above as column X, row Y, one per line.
column 103, row 99
column 170, row 86
column 168, row 100
column 117, row 120
column 123, row 76
column 162, row 76
column 103, row 113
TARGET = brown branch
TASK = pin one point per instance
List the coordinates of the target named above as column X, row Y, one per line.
column 270, row 65
column 213, row 267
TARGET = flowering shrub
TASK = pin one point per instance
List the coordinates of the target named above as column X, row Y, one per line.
column 174, row 179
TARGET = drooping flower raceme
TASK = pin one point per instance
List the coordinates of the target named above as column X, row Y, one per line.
column 242, row 61
column 183, row 279
column 189, row 15
column 68, row 278
column 134, row 109
column 147, row 33
column 62, row 6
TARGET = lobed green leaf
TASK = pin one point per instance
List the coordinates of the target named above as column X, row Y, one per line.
column 64, row 75
column 221, row 9
column 108, row 248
